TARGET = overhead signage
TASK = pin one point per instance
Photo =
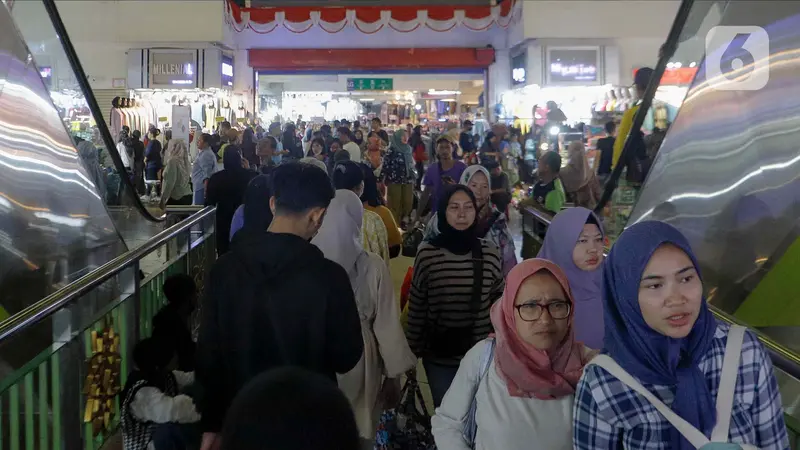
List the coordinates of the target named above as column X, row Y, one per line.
column 226, row 70
column 173, row 69
column 370, row 84
column 573, row 65
column 518, row 63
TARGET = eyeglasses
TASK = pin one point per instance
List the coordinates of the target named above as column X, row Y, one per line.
column 530, row 312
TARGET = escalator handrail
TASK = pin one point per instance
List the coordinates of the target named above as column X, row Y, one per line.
column 94, row 107
column 665, row 54
column 49, row 305
column 782, row 358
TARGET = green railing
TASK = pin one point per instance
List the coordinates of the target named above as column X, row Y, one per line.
column 64, row 360
column 786, row 362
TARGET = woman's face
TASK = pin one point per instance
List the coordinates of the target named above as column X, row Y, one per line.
column 404, row 137
column 335, row 147
column 316, row 147
column 460, row 211
column 670, row 292
column 534, row 299
column 588, row 251
column 359, row 135
column 479, row 185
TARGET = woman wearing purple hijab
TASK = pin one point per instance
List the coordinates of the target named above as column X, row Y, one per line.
column 574, row 241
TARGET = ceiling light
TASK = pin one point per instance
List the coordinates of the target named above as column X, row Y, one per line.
column 692, row 64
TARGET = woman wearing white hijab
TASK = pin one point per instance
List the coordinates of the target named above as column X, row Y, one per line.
column 386, row 352
column 176, row 189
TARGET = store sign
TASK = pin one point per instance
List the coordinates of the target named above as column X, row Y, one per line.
column 227, row 71
column 173, row 69
column 518, row 64
column 682, row 76
column 370, row 84
column 573, row 65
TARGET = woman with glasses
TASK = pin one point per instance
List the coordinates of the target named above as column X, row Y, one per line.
column 456, row 279
column 515, row 390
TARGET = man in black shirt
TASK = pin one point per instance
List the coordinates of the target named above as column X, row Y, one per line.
column 606, row 147
column 465, row 139
column 274, row 300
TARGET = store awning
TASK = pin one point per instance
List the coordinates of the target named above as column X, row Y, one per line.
column 369, row 19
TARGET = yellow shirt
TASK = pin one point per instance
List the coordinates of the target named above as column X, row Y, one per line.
column 392, row 231
column 374, row 234
column 622, row 133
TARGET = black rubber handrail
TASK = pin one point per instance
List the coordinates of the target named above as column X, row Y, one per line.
column 94, row 107
column 65, row 296
column 667, row 50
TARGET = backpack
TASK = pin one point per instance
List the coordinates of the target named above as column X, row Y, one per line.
column 724, row 406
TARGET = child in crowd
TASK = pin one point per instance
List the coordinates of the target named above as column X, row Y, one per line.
column 153, row 413
column 171, row 324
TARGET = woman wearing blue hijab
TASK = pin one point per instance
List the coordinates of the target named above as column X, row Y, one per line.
column 661, row 333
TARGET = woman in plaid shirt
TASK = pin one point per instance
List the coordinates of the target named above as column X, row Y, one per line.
column 659, row 329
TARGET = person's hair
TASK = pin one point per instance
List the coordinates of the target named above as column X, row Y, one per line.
column 153, row 354
column 443, row 139
column 136, row 134
column 341, row 156
column 642, row 78
column 225, row 124
column 553, row 161
column 376, row 119
column 274, row 125
column 336, row 141
column 344, row 131
column 610, row 126
column 257, row 214
column 299, row 187
column 206, row 138
column 347, row 175
column 232, row 158
column 291, row 409
column 168, row 135
column 179, row 288
column 248, row 136
column 371, row 195
column 319, row 141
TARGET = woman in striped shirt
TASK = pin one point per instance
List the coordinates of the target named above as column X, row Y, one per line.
column 456, row 279
column 663, row 342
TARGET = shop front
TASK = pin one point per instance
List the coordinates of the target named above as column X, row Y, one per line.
column 399, row 86
column 180, row 90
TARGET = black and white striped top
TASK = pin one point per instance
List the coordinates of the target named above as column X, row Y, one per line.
column 441, row 296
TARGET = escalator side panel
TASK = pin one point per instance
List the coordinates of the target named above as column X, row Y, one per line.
column 53, row 222
column 728, row 173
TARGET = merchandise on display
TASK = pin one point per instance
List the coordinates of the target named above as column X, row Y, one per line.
column 75, row 113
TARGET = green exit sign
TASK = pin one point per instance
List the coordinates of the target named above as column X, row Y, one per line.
column 370, row 84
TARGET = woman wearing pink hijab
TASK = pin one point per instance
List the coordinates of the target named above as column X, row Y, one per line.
column 515, row 390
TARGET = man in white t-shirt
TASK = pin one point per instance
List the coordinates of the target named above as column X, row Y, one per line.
column 347, row 138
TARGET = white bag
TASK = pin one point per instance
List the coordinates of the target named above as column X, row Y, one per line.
column 727, row 387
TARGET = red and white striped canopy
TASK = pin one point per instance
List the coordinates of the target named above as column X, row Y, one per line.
column 370, row 19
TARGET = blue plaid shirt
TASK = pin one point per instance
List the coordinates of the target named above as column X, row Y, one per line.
column 609, row 415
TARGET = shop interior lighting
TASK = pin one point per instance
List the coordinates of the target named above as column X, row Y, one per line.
column 367, row 99
column 692, row 64
column 418, row 107
column 554, row 131
column 448, row 100
column 435, row 92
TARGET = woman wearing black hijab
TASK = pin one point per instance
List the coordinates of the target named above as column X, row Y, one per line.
column 225, row 190
column 456, row 279
column 291, row 144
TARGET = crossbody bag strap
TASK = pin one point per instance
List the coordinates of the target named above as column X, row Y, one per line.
column 470, row 424
column 477, row 276
column 727, row 383
column 692, row 434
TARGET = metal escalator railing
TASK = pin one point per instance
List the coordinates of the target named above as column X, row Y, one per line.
column 64, row 393
column 94, row 107
column 784, row 360
column 667, row 51
column 30, row 18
